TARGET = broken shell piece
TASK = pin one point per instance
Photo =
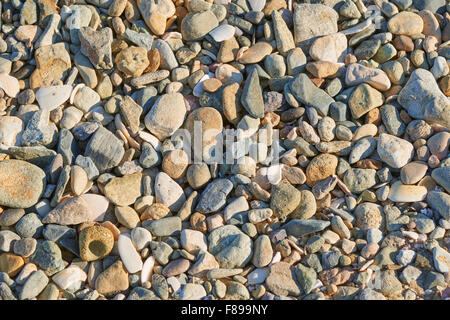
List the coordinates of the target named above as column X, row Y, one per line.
column 9, row 84
column 223, row 32
column 50, row 98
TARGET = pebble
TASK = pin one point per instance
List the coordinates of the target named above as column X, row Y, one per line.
column 394, row 151
column 351, row 173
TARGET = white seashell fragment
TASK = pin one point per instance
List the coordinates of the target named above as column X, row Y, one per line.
column 75, row 91
column 198, row 89
column 50, row 98
column 98, row 205
column 257, row 5
column 223, row 32
column 148, row 137
column 9, row 84
column 69, row 276
column 147, row 269
column 128, row 254
column 274, row 173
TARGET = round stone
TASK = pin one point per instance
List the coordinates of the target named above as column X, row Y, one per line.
column 95, row 242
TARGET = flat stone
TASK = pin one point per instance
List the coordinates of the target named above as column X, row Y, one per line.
column 312, row 21
column 230, row 246
column 213, row 198
column 116, row 187
column 306, row 92
column 105, row 149
column 357, row 74
column 423, row 99
column 22, row 184
column 281, row 280
column 128, row 254
column 394, row 151
column 168, row 192
column 255, row 53
column 413, row 172
column 96, row 45
column 299, row 228
column 164, row 227
column 166, row 115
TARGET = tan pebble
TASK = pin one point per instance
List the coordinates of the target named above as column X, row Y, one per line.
column 211, row 85
column 127, row 216
column 154, row 59
column 198, row 222
column 11, row 264
column 95, row 243
column 175, row 163
column 155, row 211
column 366, row 130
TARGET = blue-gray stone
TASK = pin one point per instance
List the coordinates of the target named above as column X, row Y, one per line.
column 84, row 130
column 307, row 93
column 149, row 156
column 252, row 98
column 391, row 120
column 214, row 197
column 67, row 146
column 88, row 165
column 330, row 259
column 163, row 227
column 39, row 132
column 105, row 149
column 338, row 111
column 299, row 228
column 48, row 257
column 141, row 39
column 29, row 226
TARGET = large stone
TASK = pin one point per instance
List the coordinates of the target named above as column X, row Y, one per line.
column 394, row 151
column 168, row 192
column 156, row 13
column 52, row 64
column 281, row 280
column 363, row 99
column 105, row 149
column 440, row 202
column 22, row 183
column 251, row 97
column 357, row 74
column 166, row 115
column 196, row 25
column 332, row 48
column 96, row 45
column 123, row 191
column 406, row 23
column 285, row 198
column 307, row 93
column 423, row 99
column 230, row 246
column 214, row 197
column 312, row 21
column 112, row 280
